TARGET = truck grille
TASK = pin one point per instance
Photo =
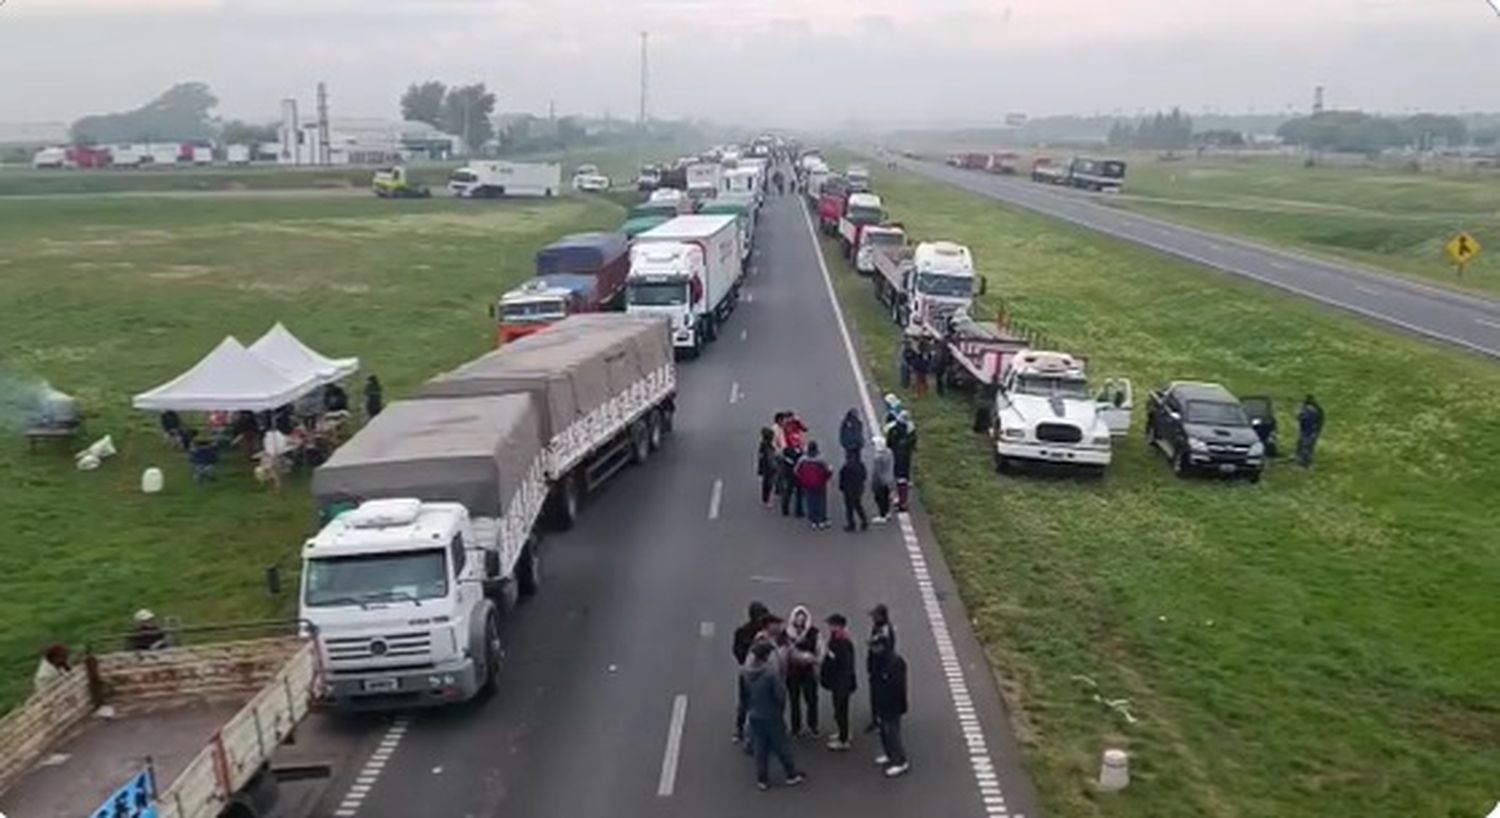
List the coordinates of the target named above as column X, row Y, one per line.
column 1229, row 449
column 1058, row 433
column 385, row 646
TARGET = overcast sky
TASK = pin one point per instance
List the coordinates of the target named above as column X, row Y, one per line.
column 772, row 62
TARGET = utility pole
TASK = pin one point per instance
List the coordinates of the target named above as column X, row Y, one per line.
column 325, row 153
column 640, row 136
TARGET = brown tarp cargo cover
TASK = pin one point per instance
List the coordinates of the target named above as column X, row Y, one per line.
column 474, row 451
column 572, row 368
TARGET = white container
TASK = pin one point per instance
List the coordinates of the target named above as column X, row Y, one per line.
column 1114, row 771
column 152, row 481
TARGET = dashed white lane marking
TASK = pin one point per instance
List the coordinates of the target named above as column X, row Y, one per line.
column 706, row 629
column 1280, row 265
column 744, row 333
column 714, row 499
column 668, row 780
column 749, row 297
column 987, row 783
column 1487, row 323
column 370, row 773
column 734, row 392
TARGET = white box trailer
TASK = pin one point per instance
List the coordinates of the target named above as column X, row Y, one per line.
column 440, row 501
column 489, row 180
column 237, row 154
column 704, row 180
column 688, row 270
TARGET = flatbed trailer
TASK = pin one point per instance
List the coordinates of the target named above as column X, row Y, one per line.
column 200, row 723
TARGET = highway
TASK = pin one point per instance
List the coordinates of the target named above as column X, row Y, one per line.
column 1466, row 321
column 617, row 697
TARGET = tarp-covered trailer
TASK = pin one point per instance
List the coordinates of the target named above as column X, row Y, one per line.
column 604, row 384
column 605, row 256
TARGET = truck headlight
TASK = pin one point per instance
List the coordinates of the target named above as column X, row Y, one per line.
column 1197, row 445
column 1257, row 449
column 1101, row 440
column 1013, row 433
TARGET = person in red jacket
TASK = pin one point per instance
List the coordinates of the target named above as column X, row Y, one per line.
column 813, row 475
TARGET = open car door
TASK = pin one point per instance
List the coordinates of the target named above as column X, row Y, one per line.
column 1115, row 402
column 1262, row 416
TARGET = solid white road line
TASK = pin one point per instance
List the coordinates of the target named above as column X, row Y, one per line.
column 668, row 779
column 1487, row 323
column 985, row 780
column 1366, row 290
column 714, row 499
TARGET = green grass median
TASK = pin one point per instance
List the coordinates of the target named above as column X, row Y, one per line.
column 1322, row 644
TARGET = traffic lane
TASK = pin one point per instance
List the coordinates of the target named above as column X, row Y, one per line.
column 799, row 363
column 1462, row 320
column 583, row 697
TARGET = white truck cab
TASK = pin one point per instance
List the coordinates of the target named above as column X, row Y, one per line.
column 666, row 278
column 941, row 282
column 396, row 588
column 1045, row 411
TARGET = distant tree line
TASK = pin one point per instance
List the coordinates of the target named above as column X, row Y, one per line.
column 463, row 111
column 1359, row 132
column 183, row 113
column 1161, row 131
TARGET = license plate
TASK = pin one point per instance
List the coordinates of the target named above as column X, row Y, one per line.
column 380, row 685
column 1226, row 468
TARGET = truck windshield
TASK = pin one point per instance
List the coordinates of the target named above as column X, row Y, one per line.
column 463, row 177
column 1215, row 413
column 657, row 293
column 884, row 239
column 945, row 286
column 1052, row 385
column 864, row 215
column 533, row 310
column 365, row 578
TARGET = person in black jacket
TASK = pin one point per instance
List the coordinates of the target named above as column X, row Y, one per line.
column 767, row 464
column 882, row 638
column 744, row 637
column 852, row 477
column 888, row 697
column 852, row 434
column 838, row 677
column 374, row 397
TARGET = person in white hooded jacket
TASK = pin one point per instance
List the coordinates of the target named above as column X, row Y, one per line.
column 803, row 655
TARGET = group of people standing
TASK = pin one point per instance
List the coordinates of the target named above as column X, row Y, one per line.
column 784, row 662
column 792, row 470
column 921, row 361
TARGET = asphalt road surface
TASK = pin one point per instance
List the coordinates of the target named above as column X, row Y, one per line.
column 618, row 694
column 1445, row 315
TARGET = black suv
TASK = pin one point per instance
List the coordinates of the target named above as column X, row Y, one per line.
column 1202, row 427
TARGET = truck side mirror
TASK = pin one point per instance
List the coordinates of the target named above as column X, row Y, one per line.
column 491, row 564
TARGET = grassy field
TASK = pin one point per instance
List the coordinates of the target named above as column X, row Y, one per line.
column 108, row 296
column 1320, row 645
column 1389, row 219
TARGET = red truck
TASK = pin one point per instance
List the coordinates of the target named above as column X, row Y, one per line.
column 832, row 200
column 580, row 273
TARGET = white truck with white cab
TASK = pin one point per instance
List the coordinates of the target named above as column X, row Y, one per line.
column 1046, row 412
column 925, row 286
column 688, row 270
column 490, row 180
column 860, row 211
column 704, row 180
column 436, row 504
column 876, row 238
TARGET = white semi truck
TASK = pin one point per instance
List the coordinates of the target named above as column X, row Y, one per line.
column 688, row 270
column 1046, row 412
column 489, row 180
column 438, row 502
column 925, row 286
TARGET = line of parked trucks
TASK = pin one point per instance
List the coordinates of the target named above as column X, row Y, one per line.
column 433, row 519
column 1038, row 406
column 1082, row 172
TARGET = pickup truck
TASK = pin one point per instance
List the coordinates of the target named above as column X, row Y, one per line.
column 1203, row 427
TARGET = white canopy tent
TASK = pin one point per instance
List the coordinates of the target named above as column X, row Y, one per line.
column 286, row 352
column 230, row 377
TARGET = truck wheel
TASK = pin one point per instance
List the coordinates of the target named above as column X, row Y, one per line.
column 492, row 650
column 654, row 421
column 565, row 502
column 640, row 442
column 710, row 328
column 529, row 570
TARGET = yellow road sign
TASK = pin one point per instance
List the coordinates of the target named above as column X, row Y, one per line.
column 1462, row 248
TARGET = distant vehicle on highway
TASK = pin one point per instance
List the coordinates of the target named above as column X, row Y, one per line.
column 859, row 178
column 487, row 180
column 1002, row 163
column 591, row 182
column 649, row 179
column 394, row 183
column 1098, row 175
column 1203, row 427
column 1045, row 171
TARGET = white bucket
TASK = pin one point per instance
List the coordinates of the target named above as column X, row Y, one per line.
column 1114, row 771
column 152, row 480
